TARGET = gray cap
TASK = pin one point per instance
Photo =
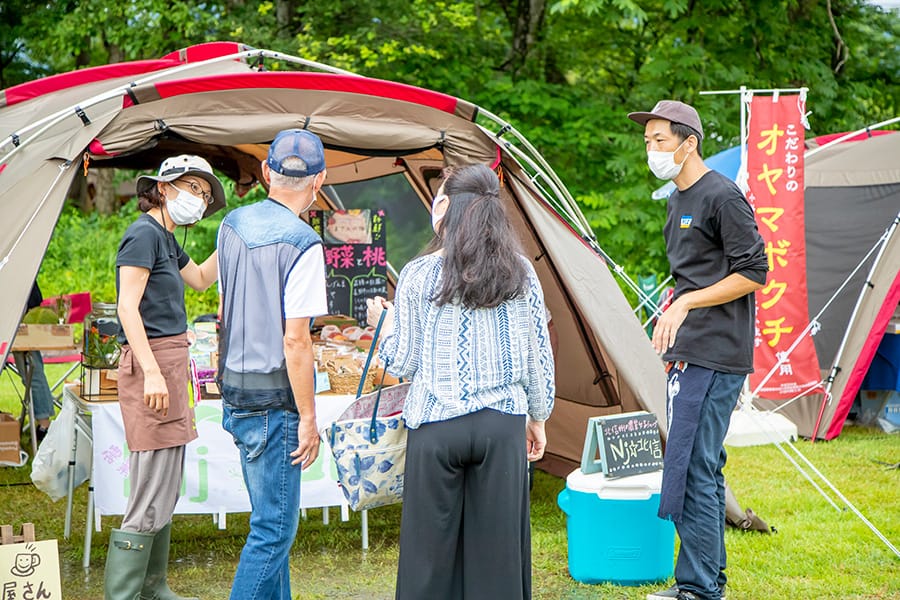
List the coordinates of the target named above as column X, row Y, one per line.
column 673, row 111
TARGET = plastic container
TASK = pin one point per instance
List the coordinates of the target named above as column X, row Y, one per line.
column 892, row 409
column 614, row 533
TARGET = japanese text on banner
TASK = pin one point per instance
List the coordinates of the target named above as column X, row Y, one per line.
column 775, row 169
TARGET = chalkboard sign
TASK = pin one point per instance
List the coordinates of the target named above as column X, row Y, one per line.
column 628, row 444
column 355, row 258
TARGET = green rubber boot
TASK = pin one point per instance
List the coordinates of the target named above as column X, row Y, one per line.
column 155, row 585
column 126, row 564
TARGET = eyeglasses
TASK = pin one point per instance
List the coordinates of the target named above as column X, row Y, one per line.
column 197, row 190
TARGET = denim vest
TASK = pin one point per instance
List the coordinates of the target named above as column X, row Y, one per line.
column 258, row 246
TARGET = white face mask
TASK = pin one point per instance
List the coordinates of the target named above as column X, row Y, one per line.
column 185, row 208
column 436, row 218
column 308, row 206
column 663, row 165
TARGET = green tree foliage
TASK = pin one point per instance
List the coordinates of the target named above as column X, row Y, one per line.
column 565, row 73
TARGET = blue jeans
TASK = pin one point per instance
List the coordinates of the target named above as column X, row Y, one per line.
column 265, row 439
column 41, row 396
column 700, row 567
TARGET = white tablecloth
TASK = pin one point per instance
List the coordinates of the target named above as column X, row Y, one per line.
column 213, row 483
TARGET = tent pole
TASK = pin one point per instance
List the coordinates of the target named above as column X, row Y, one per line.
column 573, row 212
column 560, row 193
column 569, row 207
column 62, row 170
column 119, row 90
column 847, row 136
column 742, row 169
column 552, row 176
column 63, row 167
column 620, row 271
column 649, row 300
column 826, row 400
column 867, row 285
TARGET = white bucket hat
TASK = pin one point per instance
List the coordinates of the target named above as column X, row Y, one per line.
column 176, row 167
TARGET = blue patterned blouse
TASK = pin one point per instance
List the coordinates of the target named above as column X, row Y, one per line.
column 462, row 360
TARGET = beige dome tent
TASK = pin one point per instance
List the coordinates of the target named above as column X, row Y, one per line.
column 385, row 141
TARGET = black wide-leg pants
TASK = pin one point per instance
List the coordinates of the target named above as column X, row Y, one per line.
column 465, row 533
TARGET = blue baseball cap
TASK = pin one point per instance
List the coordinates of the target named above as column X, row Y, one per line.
column 299, row 143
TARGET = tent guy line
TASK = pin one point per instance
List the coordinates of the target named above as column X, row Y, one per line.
column 815, row 324
column 784, row 441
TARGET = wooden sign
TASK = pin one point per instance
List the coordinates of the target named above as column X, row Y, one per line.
column 627, row 444
column 28, row 569
column 355, row 258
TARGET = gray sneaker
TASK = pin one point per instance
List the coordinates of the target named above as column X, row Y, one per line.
column 667, row 594
column 672, row 593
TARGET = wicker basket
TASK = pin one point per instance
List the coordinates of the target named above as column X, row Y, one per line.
column 343, row 381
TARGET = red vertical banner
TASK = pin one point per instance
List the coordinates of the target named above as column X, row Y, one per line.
column 775, row 172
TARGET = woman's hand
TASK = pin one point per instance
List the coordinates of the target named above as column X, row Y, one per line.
column 374, row 307
column 156, row 394
column 535, row 439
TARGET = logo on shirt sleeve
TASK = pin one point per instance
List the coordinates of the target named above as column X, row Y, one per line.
column 686, row 221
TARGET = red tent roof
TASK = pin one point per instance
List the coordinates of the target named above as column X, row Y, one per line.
column 53, row 83
column 307, row 81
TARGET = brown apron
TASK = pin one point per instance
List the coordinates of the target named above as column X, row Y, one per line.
column 145, row 428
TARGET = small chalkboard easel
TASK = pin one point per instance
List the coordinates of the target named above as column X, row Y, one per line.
column 624, row 444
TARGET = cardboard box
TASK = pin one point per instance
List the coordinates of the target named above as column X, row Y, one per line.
column 44, row 337
column 99, row 382
column 389, row 379
column 9, row 438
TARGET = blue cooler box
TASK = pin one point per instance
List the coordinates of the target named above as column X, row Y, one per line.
column 614, row 533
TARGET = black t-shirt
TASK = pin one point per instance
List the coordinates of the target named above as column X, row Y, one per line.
column 711, row 233
column 147, row 244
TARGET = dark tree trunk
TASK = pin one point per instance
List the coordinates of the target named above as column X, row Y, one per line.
column 79, row 188
column 284, row 13
column 526, row 20
column 101, row 186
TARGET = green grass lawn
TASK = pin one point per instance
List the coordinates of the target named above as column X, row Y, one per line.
column 818, row 552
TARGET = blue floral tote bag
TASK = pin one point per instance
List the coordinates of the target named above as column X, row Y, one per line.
column 368, row 442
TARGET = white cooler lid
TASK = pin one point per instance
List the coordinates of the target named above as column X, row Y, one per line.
column 632, row 487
